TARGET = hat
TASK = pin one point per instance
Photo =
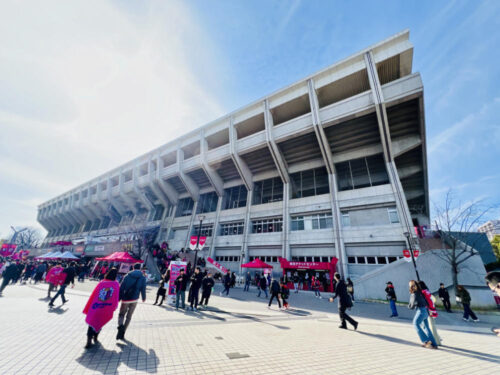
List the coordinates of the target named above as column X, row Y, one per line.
column 389, row 282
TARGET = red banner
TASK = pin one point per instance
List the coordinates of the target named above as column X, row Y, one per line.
column 217, row 265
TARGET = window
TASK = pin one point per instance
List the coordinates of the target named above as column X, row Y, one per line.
column 301, row 259
column 317, row 259
column 309, row 183
column 391, row 259
column 362, row 172
column 267, row 191
column 234, row 197
column 381, row 260
column 370, row 260
column 322, row 221
column 297, row 223
column 346, row 220
column 351, row 260
column 267, row 225
column 309, row 259
column 325, row 259
column 171, row 235
column 361, row 260
column 207, row 203
column 206, row 230
column 393, row 215
column 274, row 260
column 184, row 207
column 231, row 229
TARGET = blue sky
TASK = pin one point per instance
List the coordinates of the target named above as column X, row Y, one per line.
column 88, row 85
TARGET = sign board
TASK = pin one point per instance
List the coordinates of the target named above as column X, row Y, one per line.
column 99, row 248
column 407, row 255
column 194, row 240
column 416, row 253
column 124, row 268
column 175, row 269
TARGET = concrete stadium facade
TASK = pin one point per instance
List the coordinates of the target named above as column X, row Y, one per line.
column 331, row 166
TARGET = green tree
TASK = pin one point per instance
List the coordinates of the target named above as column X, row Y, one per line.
column 495, row 244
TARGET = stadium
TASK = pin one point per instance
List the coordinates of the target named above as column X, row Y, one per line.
column 331, row 166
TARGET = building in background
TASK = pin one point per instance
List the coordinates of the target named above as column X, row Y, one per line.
column 333, row 165
column 491, row 228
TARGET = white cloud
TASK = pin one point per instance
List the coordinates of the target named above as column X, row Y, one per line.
column 88, row 85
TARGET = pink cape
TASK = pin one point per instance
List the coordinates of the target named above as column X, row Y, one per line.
column 56, row 276
column 102, row 303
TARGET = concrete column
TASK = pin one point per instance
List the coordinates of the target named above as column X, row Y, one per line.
column 385, row 136
column 171, row 221
column 337, row 227
column 246, row 228
column 242, row 167
column 286, row 222
column 216, row 227
column 168, row 189
column 128, row 201
column 212, row 175
column 190, row 227
column 187, row 181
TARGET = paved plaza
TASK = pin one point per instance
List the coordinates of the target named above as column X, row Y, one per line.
column 236, row 335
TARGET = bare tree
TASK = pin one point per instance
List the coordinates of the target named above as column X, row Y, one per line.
column 29, row 238
column 455, row 220
column 144, row 239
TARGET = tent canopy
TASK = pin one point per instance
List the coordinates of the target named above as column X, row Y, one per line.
column 122, row 257
column 68, row 255
column 256, row 263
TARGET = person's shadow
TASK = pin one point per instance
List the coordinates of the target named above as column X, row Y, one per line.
column 57, row 310
column 104, row 361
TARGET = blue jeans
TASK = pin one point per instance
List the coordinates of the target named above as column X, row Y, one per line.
column 468, row 312
column 180, row 294
column 247, row 286
column 393, row 307
column 421, row 325
column 262, row 290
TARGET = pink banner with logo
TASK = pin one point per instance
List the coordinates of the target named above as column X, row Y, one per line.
column 175, row 269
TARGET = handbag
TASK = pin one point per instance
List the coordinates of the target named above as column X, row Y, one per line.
column 458, row 299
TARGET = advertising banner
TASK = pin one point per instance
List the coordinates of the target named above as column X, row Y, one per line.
column 217, row 265
column 175, row 268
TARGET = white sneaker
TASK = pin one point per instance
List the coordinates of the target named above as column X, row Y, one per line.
column 465, row 319
column 475, row 321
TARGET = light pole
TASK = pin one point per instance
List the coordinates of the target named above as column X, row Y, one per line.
column 407, row 235
column 201, row 218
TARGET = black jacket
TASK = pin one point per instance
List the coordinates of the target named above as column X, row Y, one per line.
column 227, row 280
column 341, row 293
column 70, row 275
column 443, row 294
column 196, row 280
column 275, row 287
column 133, row 285
column 391, row 294
column 10, row 272
column 207, row 284
column 180, row 283
column 263, row 283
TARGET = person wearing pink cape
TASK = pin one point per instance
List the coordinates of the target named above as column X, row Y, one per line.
column 101, row 305
column 54, row 277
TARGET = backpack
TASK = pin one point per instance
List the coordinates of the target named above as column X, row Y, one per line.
column 129, row 293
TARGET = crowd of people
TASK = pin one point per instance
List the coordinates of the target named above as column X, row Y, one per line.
column 129, row 288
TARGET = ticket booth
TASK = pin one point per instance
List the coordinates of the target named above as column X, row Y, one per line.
column 304, row 271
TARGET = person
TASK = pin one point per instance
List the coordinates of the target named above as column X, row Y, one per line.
column 206, row 289
column 315, row 286
column 262, row 286
column 132, row 285
column 350, row 288
column 248, row 279
column 180, row 289
column 69, row 273
column 268, row 279
column 418, row 303
column 233, row 280
column 39, row 271
column 162, row 289
column 391, row 297
column 285, row 294
column 194, row 288
column 8, row 274
column 54, row 277
column 344, row 302
column 445, row 297
column 296, row 283
column 493, row 280
column 274, row 289
column 227, row 283
column 431, row 310
column 463, row 297
column 101, row 305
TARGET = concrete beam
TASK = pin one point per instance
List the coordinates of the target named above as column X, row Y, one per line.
column 403, row 145
column 128, row 201
column 212, row 175
column 279, row 161
column 191, row 187
column 241, row 166
column 139, row 193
